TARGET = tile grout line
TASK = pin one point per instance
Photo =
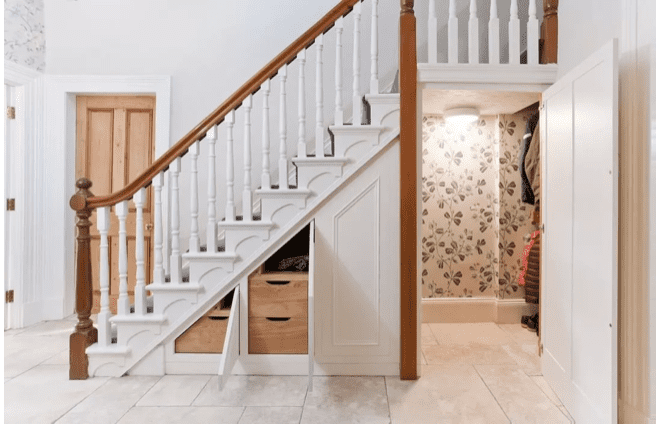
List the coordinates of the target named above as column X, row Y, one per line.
column 388, row 401
column 140, row 398
column 304, row 403
column 81, row 400
column 202, row 389
column 244, row 409
column 494, row 396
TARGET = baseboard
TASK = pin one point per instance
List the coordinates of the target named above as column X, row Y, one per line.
column 474, row 309
column 629, row 414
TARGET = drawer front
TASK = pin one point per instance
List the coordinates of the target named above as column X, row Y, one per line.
column 281, row 299
column 204, row 336
column 278, row 336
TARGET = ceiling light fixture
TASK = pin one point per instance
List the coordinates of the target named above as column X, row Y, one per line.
column 461, row 115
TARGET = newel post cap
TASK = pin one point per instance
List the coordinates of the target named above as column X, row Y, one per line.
column 78, row 201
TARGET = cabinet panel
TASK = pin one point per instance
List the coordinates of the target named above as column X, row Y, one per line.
column 278, row 335
column 272, row 298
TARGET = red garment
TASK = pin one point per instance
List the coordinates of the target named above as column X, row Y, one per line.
column 524, row 257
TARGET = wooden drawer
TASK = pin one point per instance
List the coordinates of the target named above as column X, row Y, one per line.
column 206, row 335
column 278, row 335
column 279, row 298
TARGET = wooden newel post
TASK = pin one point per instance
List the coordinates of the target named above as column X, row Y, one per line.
column 549, row 27
column 85, row 333
column 408, row 192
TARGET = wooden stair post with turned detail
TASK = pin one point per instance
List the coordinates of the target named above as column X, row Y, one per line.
column 549, row 28
column 85, row 333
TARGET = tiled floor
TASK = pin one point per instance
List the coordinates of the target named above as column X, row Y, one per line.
column 472, row 373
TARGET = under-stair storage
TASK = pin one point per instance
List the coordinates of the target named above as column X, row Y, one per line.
column 207, row 334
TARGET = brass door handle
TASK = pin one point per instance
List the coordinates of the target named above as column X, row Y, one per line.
column 149, row 226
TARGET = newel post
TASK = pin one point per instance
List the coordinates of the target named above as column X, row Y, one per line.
column 85, row 333
column 408, row 193
column 549, row 34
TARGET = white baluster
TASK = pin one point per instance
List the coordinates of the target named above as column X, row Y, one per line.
column 175, row 260
column 319, row 114
column 247, row 198
column 283, row 131
column 494, row 34
column 123, row 303
column 432, row 34
column 140, row 287
column 194, row 198
column 514, row 34
column 357, row 111
column 453, row 33
column 338, row 114
column 533, row 35
column 301, row 109
column 230, row 173
column 473, row 34
column 374, row 49
column 266, row 183
column 104, row 329
column 158, row 269
column 211, row 227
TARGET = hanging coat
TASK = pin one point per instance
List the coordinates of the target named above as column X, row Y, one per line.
column 527, row 194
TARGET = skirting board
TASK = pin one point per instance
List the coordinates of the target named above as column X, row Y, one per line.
column 469, row 309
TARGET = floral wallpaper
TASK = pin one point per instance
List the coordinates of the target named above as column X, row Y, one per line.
column 24, row 36
column 473, row 220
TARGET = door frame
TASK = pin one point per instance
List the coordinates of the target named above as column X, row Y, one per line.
column 58, row 161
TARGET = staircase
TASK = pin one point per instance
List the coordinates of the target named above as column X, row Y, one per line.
column 233, row 245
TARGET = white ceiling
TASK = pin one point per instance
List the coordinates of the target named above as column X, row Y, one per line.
column 436, row 102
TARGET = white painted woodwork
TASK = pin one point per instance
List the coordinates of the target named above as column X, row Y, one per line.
column 230, row 172
column 158, row 229
column 211, row 227
column 140, row 285
column 464, row 76
column 338, row 73
column 473, row 34
column 194, row 197
column 103, row 323
column 579, row 289
column 533, row 35
column 356, row 271
column 432, row 34
column 514, row 32
column 319, row 111
column 123, row 302
column 494, row 34
column 357, row 108
column 374, row 48
column 266, row 181
column 247, row 194
column 301, row 107
column 311, row 305
column 283, row 130
column 231, row 350
column 453, row 34
column 175, row 260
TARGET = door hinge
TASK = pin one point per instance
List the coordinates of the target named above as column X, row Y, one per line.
column 11, row 204
column 9, row 296
column 11, row 112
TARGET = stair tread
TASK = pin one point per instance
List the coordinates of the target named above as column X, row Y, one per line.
column 276, row 187
column 256, row 217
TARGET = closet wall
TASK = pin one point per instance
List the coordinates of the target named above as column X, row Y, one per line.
column 473, row 219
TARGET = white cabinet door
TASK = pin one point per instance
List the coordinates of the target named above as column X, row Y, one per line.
column 579, row 125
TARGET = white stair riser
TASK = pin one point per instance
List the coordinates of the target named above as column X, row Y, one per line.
column 235, row 237
column 127, row 332
column 353, row 142
column 318, row 178
column 384, row 110
column 171, row 303
column 273, row 208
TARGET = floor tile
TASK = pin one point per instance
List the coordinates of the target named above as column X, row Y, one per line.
column 466, row 354
column 182, row 415
column 346, row 400
column 521, row 399
column 174, row 390
column 45, row 393
column 465, row 333
column 110, row 402
column 525, row 356
column 427, row 337
column 546, row 388
column 23, row 352
column 271, row 415
column 519, row 333
column 444, row 394
column 62, row 358
column 255, row 391
column 566, row 414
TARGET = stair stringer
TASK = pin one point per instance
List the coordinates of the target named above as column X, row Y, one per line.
column 215, row 292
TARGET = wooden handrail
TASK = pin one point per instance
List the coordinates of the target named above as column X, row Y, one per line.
column 235, row 100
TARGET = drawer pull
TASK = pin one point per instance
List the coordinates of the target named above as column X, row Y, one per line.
column 277, row 319
column 278, row 283
column 216, row 318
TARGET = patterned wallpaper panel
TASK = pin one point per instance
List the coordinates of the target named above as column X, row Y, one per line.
column 473, row 220
column 24, row 36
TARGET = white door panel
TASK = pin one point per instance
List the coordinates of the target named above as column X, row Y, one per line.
column 579, row 281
